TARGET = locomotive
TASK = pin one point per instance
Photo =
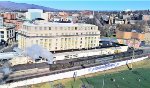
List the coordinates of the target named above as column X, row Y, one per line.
column 97, row 59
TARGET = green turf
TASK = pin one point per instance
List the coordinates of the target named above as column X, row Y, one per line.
column 139, row 77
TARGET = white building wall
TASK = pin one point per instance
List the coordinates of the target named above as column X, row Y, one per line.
column 30, row 14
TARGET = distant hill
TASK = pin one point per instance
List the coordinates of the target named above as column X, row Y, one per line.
column 12, row 6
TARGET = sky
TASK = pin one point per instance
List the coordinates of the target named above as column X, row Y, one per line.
column 90, row 4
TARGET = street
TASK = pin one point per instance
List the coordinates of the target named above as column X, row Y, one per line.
column 8, row 48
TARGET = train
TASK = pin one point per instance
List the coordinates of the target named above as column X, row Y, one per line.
column 92, row 52
column 68, row 55
column 71, row 64
column 97, row 59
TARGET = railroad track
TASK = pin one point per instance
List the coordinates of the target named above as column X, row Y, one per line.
column 47, row 72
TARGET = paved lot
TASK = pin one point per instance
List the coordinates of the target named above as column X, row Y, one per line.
column 8, row 48
column 1, row 47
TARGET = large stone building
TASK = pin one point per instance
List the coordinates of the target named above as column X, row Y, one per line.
column 58, row 36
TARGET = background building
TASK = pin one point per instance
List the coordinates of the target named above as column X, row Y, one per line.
column 9, row 15
column 147, row 38
column 47, row 16
column 132, row 39
column 129, row 35
column 146, row 17
column 59, row 36
column 7, row 34
column 34, row 13
column 1, row 22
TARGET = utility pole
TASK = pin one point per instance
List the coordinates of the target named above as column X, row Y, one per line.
column 104, row 79
column 104, row 63
column 133, row 56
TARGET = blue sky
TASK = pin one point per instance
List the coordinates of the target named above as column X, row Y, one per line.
column 90, row 4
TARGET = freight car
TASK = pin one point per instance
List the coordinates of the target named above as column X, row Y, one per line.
column 62, row 64
column 92, row 52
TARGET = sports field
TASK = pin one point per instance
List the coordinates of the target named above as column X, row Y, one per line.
column 121, row 77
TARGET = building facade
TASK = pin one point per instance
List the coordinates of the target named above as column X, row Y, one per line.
column 34, row 13
column 47, row 16
column 17, row 23
column 147, row 38
column 1, row 22
column 7, row 34
column 130, row 35
column 132, row 39
column 9, row 15
column 59, row 36
column 146, row 17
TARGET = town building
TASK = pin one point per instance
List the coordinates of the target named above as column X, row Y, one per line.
column 147, row 38
column 132, row 39
column 9, row 15
column 146, row 17
column 1, row 22
column 17, row 23
column 34, row 13
column 58, row 36
column 7, row 34
column 119, row 21
column 47, row 16
column 126, row 16
column 11, row 18
column 130, row 35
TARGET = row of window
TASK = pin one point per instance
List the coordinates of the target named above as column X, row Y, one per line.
column 58, row 28
column 10, row 33
column 67, row 46
column 62, row 46
column 50, row 34
column 65, row 39
column 62, row 40
column 61, row 34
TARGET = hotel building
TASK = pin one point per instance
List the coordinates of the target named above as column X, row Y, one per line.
column 58, row 36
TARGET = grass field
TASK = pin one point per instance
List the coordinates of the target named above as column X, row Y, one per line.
column 121, row 77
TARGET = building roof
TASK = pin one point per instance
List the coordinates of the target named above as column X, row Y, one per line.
column 35, row 10
column 109, row 39
column 39, row 19
column 87, row 51
column 56, row 24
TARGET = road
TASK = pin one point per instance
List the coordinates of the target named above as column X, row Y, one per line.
column 8, row 48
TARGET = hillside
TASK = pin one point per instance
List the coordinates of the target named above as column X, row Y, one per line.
column 12, row 6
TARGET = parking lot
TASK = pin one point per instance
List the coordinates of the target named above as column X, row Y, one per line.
column 8, row 48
